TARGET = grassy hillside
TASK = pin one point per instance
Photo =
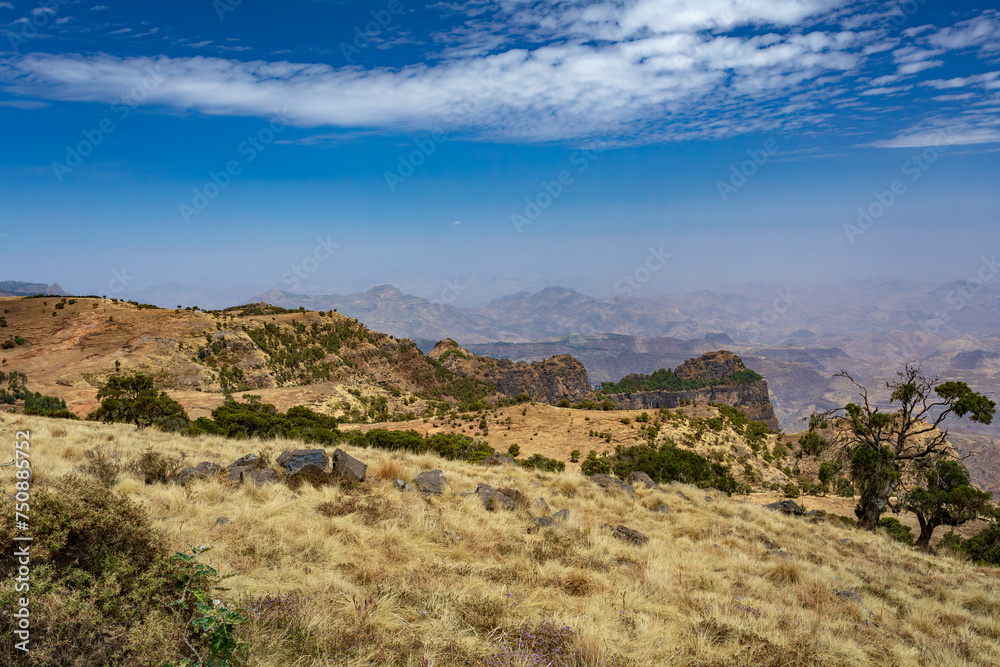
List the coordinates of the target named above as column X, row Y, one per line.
column 369, row 575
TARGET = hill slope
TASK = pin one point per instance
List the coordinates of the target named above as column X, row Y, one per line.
column 371, row 575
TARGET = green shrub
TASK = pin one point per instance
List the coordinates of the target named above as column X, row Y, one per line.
column 813, row 444
column 514, row 450
column 101, row 582
column 896, row 530
column 574, row 456
column 596, row 465
column 791, row 490
column 984, row 547
column 669, row 464
column 539, row 462
column 845, row 488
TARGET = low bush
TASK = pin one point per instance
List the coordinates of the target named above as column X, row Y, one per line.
column 896, row 530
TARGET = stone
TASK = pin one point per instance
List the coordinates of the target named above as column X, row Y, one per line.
column 637, row 478
column 629, row 535
column 709, row 499
column 540, row 502
column 207, row 469
column 515, row 495
column 222, row 521
column 609, row 482
column 347, row 467
column 308, row 472
column 847, row 541
column 244, row 461
column 235, row 473
column 403, row 486
column 561, row 516
column 779, row 552
column 662, row 509
column 787, row 506
column 542, row 521
column 431, row 482
column 498, row 460
column 293, row 460
column 681, row 494
column 259, row 476
column 493, row 499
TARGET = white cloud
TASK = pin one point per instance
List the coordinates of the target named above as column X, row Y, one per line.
column 943, row 136
column 983, row 30
column 6, row 5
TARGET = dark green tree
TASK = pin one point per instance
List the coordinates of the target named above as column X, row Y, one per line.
column 134, row 399
column 947, row 499
column 885, row 449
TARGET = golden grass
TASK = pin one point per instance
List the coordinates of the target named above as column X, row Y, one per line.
column 372, row 576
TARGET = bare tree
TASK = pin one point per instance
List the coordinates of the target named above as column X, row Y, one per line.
column 885, row 449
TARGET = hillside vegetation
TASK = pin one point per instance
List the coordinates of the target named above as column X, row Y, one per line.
column 367, row 574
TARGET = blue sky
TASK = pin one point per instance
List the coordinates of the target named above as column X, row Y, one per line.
column 499, row 145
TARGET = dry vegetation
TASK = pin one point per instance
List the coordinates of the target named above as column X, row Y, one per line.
column 371, row 576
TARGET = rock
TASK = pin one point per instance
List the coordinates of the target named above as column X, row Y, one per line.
column 292, row 461
column 709, row 499
column 259, row 476
column 431, row 482
column 515, row 495
column 207, row 469
column 498, row 460
column 637, row 478
column 244, row 461
column 846, row 541
column 307, row 472
column 811, row 514
column 542, row 521
column 850, row 596
column 201, row 471
column 787, row 506
column 493, row 499
column 235, row 474
column 347, row 467
column 373, row 479
column 778, row 552
column 222, row 521
column 681, row 494
column 609, row 482
column 561, row 516
column 541, row 503
column 662, row 509
column 403, row 486
column 629, row 535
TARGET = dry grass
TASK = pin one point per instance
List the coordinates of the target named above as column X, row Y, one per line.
column 372, row 576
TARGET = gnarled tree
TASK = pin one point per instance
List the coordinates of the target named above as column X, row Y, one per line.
column 886, row 450
column 946, row 499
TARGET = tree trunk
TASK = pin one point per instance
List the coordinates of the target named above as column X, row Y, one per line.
column 871, row 509
column 926, row 532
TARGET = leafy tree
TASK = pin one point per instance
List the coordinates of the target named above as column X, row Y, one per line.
column 828, row 471
column 947, row 499
column 134, row 399
column 884, row 449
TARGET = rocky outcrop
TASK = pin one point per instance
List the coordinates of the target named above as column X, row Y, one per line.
column 560, row 377
column 752, row 398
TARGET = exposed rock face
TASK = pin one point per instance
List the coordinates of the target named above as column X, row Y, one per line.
column 551, row 380
column 753, row 398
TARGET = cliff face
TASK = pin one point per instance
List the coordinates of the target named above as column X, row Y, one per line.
column 752, row 398
column 551, row 380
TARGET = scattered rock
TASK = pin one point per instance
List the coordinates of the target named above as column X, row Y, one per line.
column 259, row 476
column 515, row 495
column 787, row 506
column 403, row 486
column 307, row 472
column 373, row 479
column 244, row 461
column 709, row 499
column 292, row 461
column 629, row 535
column 681, row 494
column 637, row 478
column 431, row 482
column 541, row 503
column 847, row 541
column 201, row 471
column 222, row 521
column 609, row 482
column 662, row 509
column 542, row 521
column 778, row 552
column 493, row 499
column 498, row 460
column 811, row 514
column 561, row 516
column 347, row 467
column 235, row 473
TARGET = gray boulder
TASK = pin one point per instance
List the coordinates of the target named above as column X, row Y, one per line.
column 786, row 506
column 637, row 478
column 629, row 535
column 431, row 482
column 222, row 521
column 259, row 476
column 609, row 482
column 493, row 499
column 235, row 473
column 498, row 460
column 207, row 469
column 203, row 470
column 293, row 460
column 540, row 503
column 245, row 461
column 561, row 516
column 851, row 596
column 662, row 509
column 347, row 467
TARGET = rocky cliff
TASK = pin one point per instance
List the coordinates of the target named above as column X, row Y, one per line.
column 717, row 368
column 560, row 377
